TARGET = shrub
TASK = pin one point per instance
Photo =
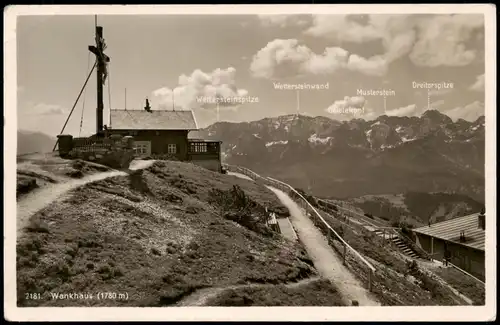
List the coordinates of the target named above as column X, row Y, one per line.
column 38, row 225
column 236, row 206
column 412, row 268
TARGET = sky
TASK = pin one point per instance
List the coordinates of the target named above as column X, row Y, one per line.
column 258, row 66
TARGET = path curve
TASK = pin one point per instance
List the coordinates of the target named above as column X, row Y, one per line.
column 326, row 261
column 240, row 175
column 203, row 296
column 33, row 202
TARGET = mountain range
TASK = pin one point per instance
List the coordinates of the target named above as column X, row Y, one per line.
column 335, row 159
column 30, row 142
column 348, row 159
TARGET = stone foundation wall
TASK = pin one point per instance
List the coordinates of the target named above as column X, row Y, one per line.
column 115, row 151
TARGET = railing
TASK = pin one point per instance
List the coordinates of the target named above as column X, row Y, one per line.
column 310, row 210
column 83, row 142
column 94, row 147
column 467, row 273
column 420, row 251
column 92, row 144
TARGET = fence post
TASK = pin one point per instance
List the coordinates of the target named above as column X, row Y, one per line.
column 343, row 256
column 370, row 280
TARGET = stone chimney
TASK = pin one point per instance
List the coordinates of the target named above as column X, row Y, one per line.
column 147, row 107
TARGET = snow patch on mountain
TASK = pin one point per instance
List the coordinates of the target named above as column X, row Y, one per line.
column 407, row 140
column 315, row 139
column 272, row 143
column 384, row 146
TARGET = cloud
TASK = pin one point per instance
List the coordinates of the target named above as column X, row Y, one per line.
column 333, row 59
column 410, row 110
column 269, row 20
column 395, row 32
column 374, row 66
column 469, row 112
column 342, row 28
column 283, row 20
column 479, row 84
column 280, row 58
column 437, row 104
column 358, row 107
column 440, row 92
column 441, row 40
column 284, row 58
column 47, row 109
column 201, row 90
column 429, row 40
column 348, row 106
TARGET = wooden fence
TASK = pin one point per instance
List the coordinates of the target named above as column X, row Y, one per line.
column 311, row 212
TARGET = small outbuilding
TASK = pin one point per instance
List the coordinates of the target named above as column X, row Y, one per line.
column 461, row 239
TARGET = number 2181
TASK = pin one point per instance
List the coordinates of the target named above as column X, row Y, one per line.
column 33, row 296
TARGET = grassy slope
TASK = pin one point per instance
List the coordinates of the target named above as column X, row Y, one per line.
column 464, row 284
column 317, row 293
column 419, row 207
column 395, row 283
column 154, row 236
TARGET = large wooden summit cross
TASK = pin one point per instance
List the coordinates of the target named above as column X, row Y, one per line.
column 102, row 61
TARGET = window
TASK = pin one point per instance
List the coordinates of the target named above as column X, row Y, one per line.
column 198, row 147
column 142, row 148
column 172, row 148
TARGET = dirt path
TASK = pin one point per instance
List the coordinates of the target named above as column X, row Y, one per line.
column 240, row 176
column 326, row 261
column 39, row 199
column 203, row 296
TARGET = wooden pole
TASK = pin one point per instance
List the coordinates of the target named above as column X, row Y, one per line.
column 343, row 255
column 370, row 280
column 100, row 72
column 102, row 59
column 432, row 246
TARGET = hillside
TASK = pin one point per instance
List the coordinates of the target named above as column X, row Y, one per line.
column 390, row 155
column 175, row 234
column 419, row 207
column 400, row 280
column 28, row 142
column 158, row 235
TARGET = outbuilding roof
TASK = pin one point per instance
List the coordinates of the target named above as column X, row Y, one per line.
column 152, row 120
column 449, row 230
